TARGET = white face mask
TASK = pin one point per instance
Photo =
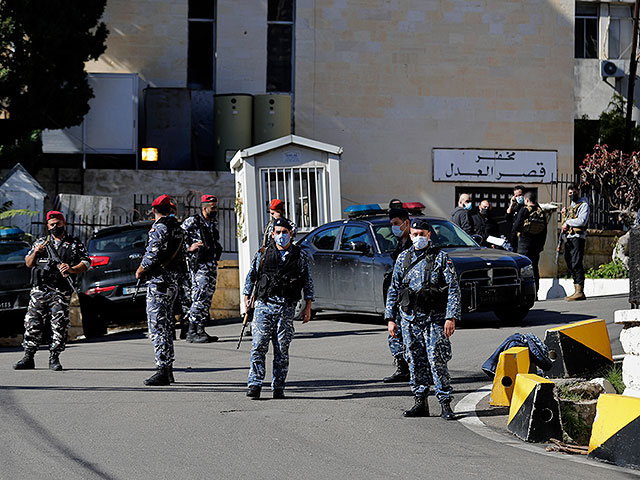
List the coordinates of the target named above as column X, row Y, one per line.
column 520, row 199
column 420, row 243
column 282, row 239
column 397, row 230
column 467, row 206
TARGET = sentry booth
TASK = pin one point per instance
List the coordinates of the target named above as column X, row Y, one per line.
column 303, row 173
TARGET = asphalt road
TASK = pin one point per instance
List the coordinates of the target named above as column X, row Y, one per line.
column 97, row 420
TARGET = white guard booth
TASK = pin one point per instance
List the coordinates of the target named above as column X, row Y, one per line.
column 303, row 173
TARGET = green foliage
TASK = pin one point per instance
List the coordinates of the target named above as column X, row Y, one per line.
column 43, row 49
column 614, row 375
column 565, row 392
column 7, row 212
column 573, row 425
column 613, row 269
column 612, row 125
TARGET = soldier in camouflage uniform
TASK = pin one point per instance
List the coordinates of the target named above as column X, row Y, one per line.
column 280, row 273
column 276, row 210
column 51, row 292
column 184, row 286
column 203, row 252
column 425, row 292
column 401, row 227
column 160, row 266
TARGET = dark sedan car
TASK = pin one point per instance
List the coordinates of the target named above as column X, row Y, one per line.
column 15, row 285
column 351, row 258
column 108, row 287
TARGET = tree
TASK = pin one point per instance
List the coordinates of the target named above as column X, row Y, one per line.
column 43, row 48
column 612, row 126
column 615, row 176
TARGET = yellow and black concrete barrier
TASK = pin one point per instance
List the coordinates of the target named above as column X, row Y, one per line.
column 615, row 436
column 511, row 362
column 534, row 415
column 578, row 348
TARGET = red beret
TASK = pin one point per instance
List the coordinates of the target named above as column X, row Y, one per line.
column 55, row 214
column 208, row 198
column 276, row 204
column 161, row 200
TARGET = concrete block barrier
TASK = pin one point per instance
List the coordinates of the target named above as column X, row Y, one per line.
column 534, row 415
column 578, row 348
column 615, row 436
column 511, row 362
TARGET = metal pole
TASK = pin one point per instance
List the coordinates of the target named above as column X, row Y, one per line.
column 632, row 79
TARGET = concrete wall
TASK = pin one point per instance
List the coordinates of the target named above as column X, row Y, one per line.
column 391, row 80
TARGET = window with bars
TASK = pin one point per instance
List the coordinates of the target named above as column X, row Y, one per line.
column 586, row 31
column 302, row 189
column 280, row 45
column 201, row 47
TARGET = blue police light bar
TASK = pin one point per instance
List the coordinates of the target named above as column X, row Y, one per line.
column 358, row 210
column 11, row 232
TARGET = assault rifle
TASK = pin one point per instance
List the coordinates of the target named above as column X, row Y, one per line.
column 135, row 293
column 53, row 255
column 559, row 247
column 248, row 314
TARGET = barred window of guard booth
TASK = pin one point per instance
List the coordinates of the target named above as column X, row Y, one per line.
column 280, row 45
column 202, row 44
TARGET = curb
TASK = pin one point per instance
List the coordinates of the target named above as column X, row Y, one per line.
column 466, row 410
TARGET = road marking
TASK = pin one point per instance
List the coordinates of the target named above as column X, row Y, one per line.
column 466, row 409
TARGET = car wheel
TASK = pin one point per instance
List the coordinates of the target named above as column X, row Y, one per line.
column 93, row 323
column 512, row 316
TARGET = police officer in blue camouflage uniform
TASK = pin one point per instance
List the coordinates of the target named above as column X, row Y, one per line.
column 425, row 292
column 280, row 273
column 401, row 227
column 276, row 210
column 203, row 252
column 51, row 292
column 160, row 266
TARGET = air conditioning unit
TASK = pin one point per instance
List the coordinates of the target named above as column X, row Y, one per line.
column 612, row 68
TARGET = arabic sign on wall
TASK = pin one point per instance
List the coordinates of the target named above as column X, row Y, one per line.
column 506, row 166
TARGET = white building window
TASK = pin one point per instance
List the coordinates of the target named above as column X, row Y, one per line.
column 620, row 31
column 586, row 30
column 280, row 45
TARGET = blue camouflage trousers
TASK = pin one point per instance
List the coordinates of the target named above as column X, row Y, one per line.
column 184, row 295
column 427, row 351
column 161, row 293
column 203, row 286
column 47, row 304
column 271, row 322
column 395, row 343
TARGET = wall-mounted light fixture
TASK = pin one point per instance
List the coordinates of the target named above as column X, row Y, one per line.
column 149, row 154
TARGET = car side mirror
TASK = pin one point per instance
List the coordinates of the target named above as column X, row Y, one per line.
column 477, row 239
column 139, row 244
column 361, row 247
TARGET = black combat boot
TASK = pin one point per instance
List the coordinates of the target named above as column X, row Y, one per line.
column 54, row 361
column 171, row 378
column 27, row 362
column 447, row 413
column 401, row 374
column 210, row 338
column 184, row 328
column 253, row 391
column 278, row 393
column 196, row 334
column 419, row 409
column 160, row 378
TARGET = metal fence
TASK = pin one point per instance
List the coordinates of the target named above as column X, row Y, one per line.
column 83, row 226
column 634, row 267
column 601, row 218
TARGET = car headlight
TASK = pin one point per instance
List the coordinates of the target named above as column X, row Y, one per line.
column 526, row 272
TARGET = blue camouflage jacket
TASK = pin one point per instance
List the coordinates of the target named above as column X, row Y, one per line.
column 415, row 277
column 158, row 242
column 307, row 288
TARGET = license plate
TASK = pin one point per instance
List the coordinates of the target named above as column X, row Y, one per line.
column 6, row 302
column 132, row 290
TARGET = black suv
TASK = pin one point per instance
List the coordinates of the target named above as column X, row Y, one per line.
column 107, row 289
column 15, row 285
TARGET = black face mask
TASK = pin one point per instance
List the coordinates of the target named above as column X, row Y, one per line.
column 483, row 211
column 574, row 197
column 57, row 231
column 214, row 214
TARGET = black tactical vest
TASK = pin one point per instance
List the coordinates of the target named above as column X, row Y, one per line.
column 432, row 296
column 279, row 279
column 211, row 249
column 170, row 258
column 45, row 273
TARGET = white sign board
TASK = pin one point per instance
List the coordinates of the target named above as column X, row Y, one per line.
column 505, row 166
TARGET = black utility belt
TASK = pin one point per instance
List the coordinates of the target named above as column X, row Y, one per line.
column 281, row 301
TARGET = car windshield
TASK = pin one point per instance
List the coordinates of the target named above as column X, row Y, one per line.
column 13, row 251
column 386, row 239
column 448, row 234
column 122, row 241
